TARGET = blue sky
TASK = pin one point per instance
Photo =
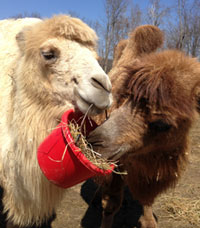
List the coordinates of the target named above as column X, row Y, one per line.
column 89, row 9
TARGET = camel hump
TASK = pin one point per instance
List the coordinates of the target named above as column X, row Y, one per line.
column 146, row 39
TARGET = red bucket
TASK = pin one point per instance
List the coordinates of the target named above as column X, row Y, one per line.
column 61, row 161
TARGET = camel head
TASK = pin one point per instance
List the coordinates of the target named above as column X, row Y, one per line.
column 154, row 106
column 59, row 60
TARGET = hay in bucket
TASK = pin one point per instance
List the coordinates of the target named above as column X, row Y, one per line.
column 78, row 133
column 86, row 148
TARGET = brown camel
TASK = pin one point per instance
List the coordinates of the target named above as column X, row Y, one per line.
column 155, row 104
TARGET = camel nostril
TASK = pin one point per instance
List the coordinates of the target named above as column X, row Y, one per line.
column 101, row 82
column 74, row 80
column 96, row 83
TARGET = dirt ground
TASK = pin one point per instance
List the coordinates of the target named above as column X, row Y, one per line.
column 178, row 208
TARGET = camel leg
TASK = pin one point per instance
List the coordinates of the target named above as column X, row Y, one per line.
column 111, row 200
column 147, row 220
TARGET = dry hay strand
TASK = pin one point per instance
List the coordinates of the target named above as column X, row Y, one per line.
column 182, row 208
column 86, row 148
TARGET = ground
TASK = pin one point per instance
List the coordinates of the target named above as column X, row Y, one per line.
column 178, row 208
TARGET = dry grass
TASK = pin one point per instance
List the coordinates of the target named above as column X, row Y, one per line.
column 182, row 208
column 86, row 148
column 182, row 204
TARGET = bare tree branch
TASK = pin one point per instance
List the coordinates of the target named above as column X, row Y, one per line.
column 156, row 13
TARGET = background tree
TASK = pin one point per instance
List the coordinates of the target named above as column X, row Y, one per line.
column 157, row 13
column 113, row 28
column 25, row 14
column 136, row 16
column 184, row 34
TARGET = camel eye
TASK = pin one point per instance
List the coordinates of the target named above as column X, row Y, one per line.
column 159, row 126
column 48, row 55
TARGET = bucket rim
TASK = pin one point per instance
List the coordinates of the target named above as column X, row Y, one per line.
column 76, row 150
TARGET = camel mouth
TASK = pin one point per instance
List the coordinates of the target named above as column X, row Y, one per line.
column 83, row 99
column 117, row 155
column 83, row 105
column 107, row 152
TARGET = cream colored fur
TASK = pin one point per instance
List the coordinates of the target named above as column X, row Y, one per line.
column 32, row 100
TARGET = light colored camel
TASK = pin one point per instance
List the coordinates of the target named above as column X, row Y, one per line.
column 46, row 67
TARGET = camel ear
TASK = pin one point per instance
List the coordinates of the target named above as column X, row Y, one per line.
column 118, row 51
column 146, row 39
column 21, row 39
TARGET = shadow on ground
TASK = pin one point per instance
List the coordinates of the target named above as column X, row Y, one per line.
column 127, row 217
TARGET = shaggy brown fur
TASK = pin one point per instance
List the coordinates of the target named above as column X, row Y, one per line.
column 155, row 104
column 155, row 84
column 144, row 39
